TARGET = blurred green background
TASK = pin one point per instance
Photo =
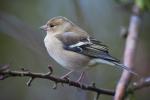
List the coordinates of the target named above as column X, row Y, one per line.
column 21, row 45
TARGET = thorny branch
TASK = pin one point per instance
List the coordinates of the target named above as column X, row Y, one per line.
column 5, row 73
column 32, row 75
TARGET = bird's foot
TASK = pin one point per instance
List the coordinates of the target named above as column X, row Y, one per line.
column 66, row 76
column 81, row 77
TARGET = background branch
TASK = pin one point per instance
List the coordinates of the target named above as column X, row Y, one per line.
column 129, row 53
column 143, row 83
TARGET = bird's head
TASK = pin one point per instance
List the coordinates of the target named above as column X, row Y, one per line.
column 57, row 25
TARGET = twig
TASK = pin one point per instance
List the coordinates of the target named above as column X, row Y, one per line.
column 55, row 85
column 97, row 96
column 139, row 85
column 129, row 54
column 30, row 81
column 33, row 75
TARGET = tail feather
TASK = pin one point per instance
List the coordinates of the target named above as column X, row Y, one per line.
column 125, row 67
column 116, row 64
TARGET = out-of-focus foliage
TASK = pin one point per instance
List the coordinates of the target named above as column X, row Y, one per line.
column 144, row 5
column 124, row 1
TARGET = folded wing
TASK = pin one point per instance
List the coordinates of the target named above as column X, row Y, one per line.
column 92, row 48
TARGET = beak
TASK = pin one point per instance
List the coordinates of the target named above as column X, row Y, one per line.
column 44, row 27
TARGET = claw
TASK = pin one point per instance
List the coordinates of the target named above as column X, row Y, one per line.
column 66, row 76
column 81, row 77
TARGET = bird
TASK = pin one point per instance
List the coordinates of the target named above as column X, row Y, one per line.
column 74, row 49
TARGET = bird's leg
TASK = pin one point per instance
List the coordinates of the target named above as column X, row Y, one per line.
column 81, row 77
column 66, row 75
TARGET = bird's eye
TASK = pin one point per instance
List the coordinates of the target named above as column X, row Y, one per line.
column 51, row 25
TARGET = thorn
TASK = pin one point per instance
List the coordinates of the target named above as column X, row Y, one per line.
column 97, row 96
column 50, row 69
column 30, row 81
column 55, row 85
column 23, row 69
column 93, row 84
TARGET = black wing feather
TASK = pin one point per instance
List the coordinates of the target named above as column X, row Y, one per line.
column 91, row 48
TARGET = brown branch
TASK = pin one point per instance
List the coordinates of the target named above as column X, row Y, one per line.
column 143, row 83
column 6, row 73
column 129, row 53
column 32, row 76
